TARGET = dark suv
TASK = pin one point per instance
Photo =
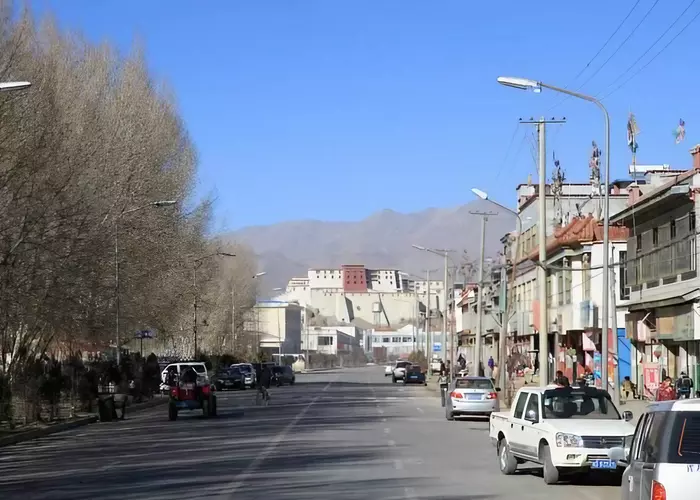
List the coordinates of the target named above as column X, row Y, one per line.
column 283, row 375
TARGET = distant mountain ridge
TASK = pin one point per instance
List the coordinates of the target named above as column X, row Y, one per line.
column 382, row 240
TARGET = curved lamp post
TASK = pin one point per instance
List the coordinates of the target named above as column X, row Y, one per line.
column 537, row 86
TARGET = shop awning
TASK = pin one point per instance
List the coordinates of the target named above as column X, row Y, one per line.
column 671, row 301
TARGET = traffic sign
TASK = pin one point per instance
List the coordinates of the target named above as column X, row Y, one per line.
column 437, row 346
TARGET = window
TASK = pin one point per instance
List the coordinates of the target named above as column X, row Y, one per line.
column 474, row 383
column 624, row 295
column 685, row 439
column 586, row 277
column 655, row 236
column 560, row 287
column 673, row 228
column 386, row 340
column 691, row 222
column 533, row 405
column 567, row 282
column 520, row 405
column 589, row 404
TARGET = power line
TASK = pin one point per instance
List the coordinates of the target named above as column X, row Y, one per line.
column 653, row 58
column 510, row 145
column 619, row 26
column 634, row 30
column 651, row 46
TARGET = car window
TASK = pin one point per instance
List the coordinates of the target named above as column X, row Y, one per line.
column 533, row 405
column 638, row 432
column 520, row 405
column 578, row 403
column 244, row 368
column 684, row 446
column 652, row 447
column 471, row 383
column 198, row 368
column 402, row 364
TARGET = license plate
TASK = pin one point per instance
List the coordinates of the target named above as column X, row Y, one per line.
column 604, row 464
column 474, row 397
column 228, row 383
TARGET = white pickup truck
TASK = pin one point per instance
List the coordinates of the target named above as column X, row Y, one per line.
column 566, row 429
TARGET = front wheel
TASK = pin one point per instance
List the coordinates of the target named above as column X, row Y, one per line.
column 550, row 472
column 507, row 462
column 172, row 412
column 292, row 382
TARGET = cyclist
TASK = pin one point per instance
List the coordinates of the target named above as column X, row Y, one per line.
column 264, row 383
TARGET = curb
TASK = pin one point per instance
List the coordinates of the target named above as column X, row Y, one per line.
column 38, row 433
column 319, row 370
column 30, row 435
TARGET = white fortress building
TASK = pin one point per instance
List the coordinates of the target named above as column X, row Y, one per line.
column 371, row 298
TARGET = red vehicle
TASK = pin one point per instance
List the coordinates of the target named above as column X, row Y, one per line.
column 191, row 393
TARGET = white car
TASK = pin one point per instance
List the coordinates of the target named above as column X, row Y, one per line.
column 388, row 370
column 199, row 367
column 566, row 429
column 399, row 371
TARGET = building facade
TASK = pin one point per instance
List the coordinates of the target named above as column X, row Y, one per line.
column 278, row 326
column 662, row 284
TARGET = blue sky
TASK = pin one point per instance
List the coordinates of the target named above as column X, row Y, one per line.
column 335, row 109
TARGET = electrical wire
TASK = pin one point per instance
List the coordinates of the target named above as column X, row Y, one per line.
column 510, row 145
column 694, row 18
column 680, row 16
column 619, row 47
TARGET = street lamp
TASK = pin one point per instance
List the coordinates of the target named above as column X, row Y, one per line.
column 537, row 86
column 233, row 308
column 153, row 204
column 10, row 86
column 196, row 264
column 502, row 378
column 444, row 253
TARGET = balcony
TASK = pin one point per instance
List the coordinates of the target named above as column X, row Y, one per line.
column 672, row 263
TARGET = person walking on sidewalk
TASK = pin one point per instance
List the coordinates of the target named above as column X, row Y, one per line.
column 491, row 363
column 443, row 381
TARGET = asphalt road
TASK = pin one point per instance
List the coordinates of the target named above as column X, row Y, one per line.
column 348, row 434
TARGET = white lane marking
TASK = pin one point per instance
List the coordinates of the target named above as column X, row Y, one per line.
column 398, row 464
column 380, row 411
column 392, row 443
column 387, row 430
column 383, row 420
column 410, row 493
column 420, row 409
column 246, row 473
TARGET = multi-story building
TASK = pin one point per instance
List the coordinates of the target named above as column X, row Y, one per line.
column 662, row 284
column 373, row 297
column 332, row 340
column 277, row 326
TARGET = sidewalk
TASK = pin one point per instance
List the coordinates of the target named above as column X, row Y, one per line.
column 35, row 432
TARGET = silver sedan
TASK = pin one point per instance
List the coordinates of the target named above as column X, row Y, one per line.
column 471, row 396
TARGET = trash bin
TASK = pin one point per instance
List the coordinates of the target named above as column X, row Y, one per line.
column 105, row 408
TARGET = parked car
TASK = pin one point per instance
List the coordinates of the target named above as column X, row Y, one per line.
column 435, row 366
column 471, row 396
column 662, row 461
column 388, row 370
column 230, row 378
column 414, row 375
column 283, row 375
column 566, row 429
column 249, row 377
column 399, row 370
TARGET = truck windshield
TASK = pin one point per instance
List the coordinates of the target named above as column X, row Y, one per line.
column 584, row 403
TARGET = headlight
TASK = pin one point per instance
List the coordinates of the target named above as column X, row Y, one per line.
column 569, row 440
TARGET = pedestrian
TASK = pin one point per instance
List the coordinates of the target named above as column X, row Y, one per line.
column 491, row 363
column 561, row 380
column 627, row 389
column 684, row 386
column 443, row 381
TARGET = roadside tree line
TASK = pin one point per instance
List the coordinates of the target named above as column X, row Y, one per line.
column 87, row 155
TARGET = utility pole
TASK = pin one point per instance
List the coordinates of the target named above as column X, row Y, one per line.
column 502, row 337
column 613, row 325
column 233, row 317
column 428, row 344
column 444, row 314
column 480, row 291
column 416, row 314
column 545, row 376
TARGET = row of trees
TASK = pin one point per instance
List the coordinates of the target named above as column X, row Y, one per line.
column 84, row 154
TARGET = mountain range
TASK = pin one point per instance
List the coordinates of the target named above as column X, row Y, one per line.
column 382, row 240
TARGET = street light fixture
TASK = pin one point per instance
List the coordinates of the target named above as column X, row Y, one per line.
column 444, row 253
column 153, row 204
column 10, row 86
column 537, row 86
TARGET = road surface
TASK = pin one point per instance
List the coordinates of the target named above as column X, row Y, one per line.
column 347, row 434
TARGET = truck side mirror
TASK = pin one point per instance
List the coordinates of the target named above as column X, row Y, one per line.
column 531, row 416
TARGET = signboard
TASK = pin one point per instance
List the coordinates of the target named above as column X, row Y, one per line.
column 144, row 334
column 651, row 379
column 437, row 346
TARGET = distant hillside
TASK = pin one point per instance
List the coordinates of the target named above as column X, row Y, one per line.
column 383, row 239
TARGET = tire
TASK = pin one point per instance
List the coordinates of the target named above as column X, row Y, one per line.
column 205, row 408
column 450, row 416
column 293, row 380
column 172, row 412
column 506, row 461
column 549, row 472
column 393, row 379
column 218, row 387
column 212, row 409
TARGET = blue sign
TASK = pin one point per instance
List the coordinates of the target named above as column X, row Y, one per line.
column 437, row 346
column 144, row 334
